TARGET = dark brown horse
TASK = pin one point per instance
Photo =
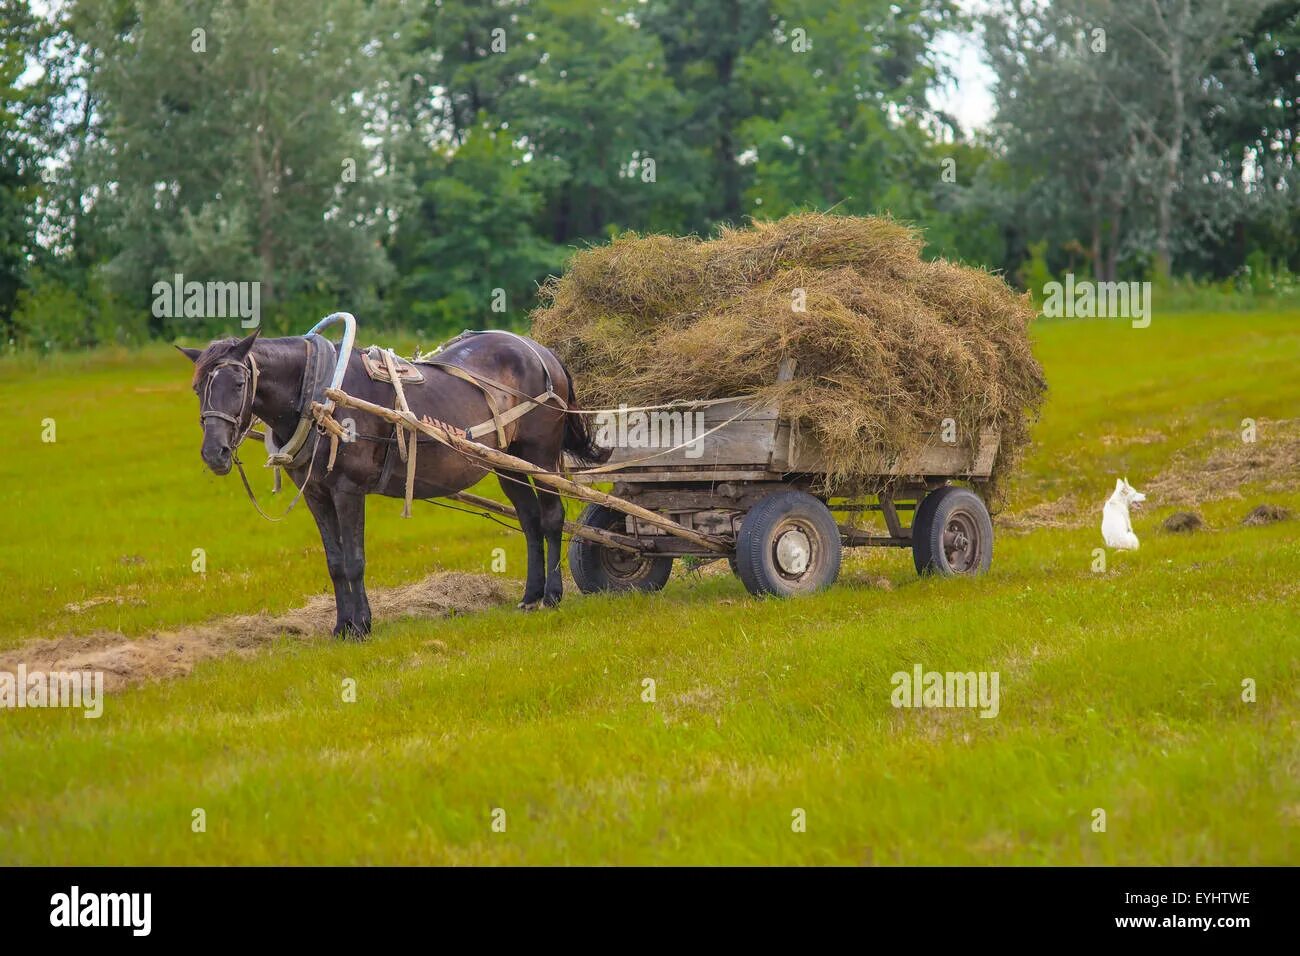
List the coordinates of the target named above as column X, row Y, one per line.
column 272, row 379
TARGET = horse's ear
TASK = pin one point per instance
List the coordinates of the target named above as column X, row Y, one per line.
column 191, row 354
column 243, row 346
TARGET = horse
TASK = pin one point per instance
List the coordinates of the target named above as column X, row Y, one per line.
column 477, row 377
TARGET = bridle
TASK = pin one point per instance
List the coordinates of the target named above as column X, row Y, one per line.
column 243, row 423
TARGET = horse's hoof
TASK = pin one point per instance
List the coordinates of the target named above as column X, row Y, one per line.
column 529, row 605
column 352, row 631
column 551, row 600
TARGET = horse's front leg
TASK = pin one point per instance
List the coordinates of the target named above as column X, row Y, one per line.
column 321, row 504
column 351, row 511
column 520, row 492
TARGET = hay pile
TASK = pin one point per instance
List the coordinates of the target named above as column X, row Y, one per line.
column 889, row 345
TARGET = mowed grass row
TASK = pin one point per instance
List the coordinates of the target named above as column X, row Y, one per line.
column 1120, row 691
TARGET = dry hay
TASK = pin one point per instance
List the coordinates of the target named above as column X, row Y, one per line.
column 888, row 347
column 1220, row 465
column 126, row 661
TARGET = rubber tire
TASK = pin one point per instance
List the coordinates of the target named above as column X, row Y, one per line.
column 594, row 567
column 932, row 517
column 755, row 562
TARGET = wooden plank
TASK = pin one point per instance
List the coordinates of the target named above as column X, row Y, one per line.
column 647, row 475
column 742, row 442
column 990, row 440
column 500, row 459
column 932, row 459
column 857, row 538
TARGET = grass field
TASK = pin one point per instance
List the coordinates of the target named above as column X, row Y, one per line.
column 1120, row 690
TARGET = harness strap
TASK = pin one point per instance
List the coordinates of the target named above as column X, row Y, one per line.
column 315, row 376
column 478, row 378
column 498, row 422
column 408, row 453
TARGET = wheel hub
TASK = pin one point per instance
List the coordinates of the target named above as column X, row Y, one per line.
column 959, row 542
column 793, row 551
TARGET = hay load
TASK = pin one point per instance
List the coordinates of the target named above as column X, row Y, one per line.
column 887, row 345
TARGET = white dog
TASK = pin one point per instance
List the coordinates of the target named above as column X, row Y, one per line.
column 1116, row 528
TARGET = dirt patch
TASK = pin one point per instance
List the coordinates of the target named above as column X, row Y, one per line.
column 1265, row 514
column 1183, row 521
column 83, row 606
column 1217, row 467
column 1141, row 438
column 127, row 661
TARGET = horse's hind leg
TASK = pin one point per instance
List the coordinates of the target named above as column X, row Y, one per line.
column 521, row 495
column 552, row 509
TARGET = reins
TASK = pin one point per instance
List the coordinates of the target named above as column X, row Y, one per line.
column 296, row 498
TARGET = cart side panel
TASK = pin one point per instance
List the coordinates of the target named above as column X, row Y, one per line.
column 745, row 437
column 936, row 459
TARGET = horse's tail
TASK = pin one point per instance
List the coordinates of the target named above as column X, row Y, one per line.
column 578, row 440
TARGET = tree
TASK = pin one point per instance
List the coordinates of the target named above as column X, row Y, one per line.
column 234, row 142
column 705, row 49
column 1103, row 110
column 466, row 252
column 843, row 118
column 20, row 34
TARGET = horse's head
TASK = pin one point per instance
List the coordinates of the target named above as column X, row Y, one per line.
column 225, row 379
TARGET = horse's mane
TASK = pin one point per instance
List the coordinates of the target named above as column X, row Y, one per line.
column 219, row 349
column 210, row 356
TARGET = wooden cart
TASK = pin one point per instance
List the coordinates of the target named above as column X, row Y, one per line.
column 751, row 485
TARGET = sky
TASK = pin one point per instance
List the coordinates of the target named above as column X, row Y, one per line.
column 970, row 96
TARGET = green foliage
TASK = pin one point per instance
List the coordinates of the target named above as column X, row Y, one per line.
column 406, row 159
column 236, row 141
column 19, row 179
column 51, row 315
column 471, row 234
column 1035, row 273
column 841, row 120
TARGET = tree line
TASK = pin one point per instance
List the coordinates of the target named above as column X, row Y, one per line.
column 426, row 164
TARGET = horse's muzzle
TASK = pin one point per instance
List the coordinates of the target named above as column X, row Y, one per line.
column 218, row 459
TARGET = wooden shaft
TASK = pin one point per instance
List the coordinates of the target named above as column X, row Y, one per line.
column 501, row 459
column 608, row 539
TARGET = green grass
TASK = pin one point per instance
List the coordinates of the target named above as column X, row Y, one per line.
column 1119, row 691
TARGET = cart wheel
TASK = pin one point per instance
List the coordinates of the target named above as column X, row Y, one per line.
column 597, row 568
column 788, row 544
column 952, row 533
